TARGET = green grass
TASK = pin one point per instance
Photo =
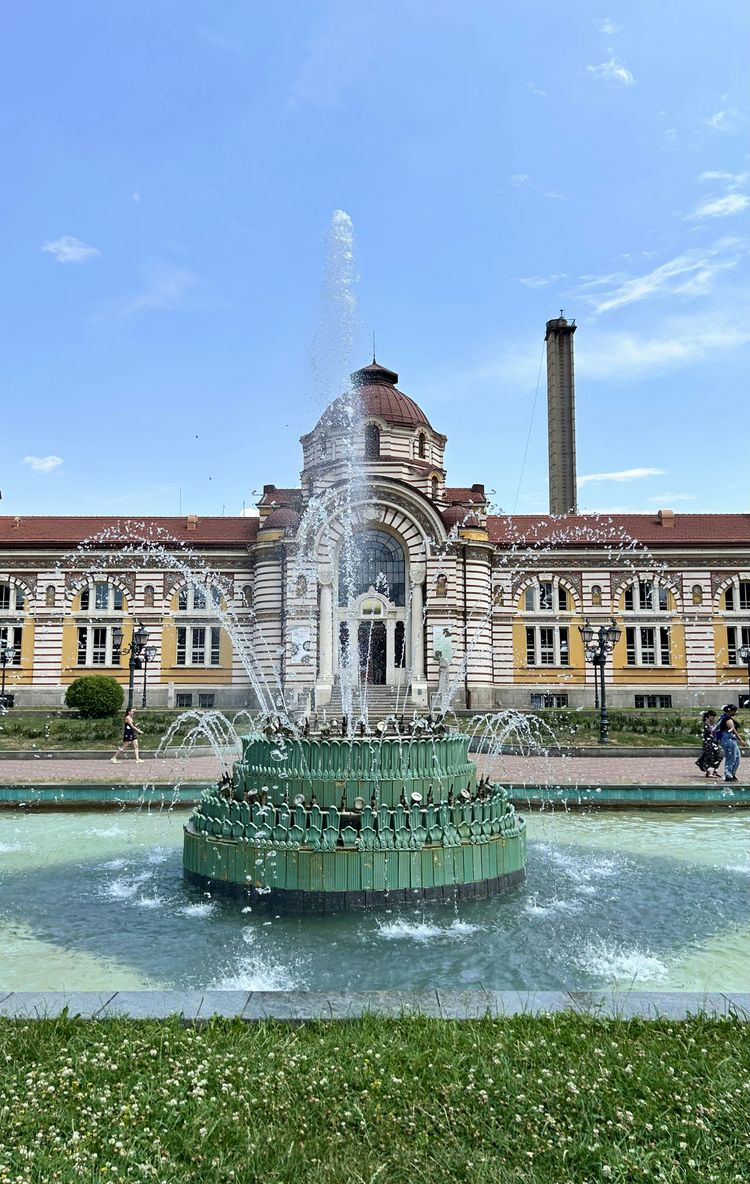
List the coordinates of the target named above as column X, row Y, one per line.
column 63, row 731
column 559, row 1100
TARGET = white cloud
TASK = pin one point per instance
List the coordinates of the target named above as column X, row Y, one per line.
column 250, row 512
column 540, row 281
column 612, row 71
column 720, row 207
column 733, row 180
column 629, row 356
column 520, row 179
column 727, row 120
column 690, row 274
column 555, row 194
column 69, row 249
column 668, row 499
column 43, row 464
column 621, row 475
column 537, row 90
column 607, row 27
column 167, row 289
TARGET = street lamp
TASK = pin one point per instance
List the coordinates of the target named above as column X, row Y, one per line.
column 744, row 656
column 597, row 643
column 7, row 658
column 135, row 649
column 148, row 655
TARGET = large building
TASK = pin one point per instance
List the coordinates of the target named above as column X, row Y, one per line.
column 510, row 591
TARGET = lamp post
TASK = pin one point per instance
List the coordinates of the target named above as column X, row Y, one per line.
column 148, row 655
column 135, row 649
column 744, row 656
column 7, row 657
column 597, row 643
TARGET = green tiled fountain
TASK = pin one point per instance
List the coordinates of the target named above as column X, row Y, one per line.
column 315, row 824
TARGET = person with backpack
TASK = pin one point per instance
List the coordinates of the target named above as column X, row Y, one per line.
column 727, row 733
column 712, row 753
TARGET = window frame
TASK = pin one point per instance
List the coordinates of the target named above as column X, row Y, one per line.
column 659, row 645
column 536, row 646
column 188, row 645
column 88, row 645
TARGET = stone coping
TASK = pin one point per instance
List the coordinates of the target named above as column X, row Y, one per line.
column 302, row 1006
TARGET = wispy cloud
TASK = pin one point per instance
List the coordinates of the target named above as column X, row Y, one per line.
column 69, row 249
column 620, row 475
column 690, row 274
column 523, row 181
column 167, row 289
column 732, row 181
column 720, row 207
column 519, row 179
column 536, row 90
column 607, row 27
column 43, row 464
column 540, row 281
column 612, row 71
column 668, row 499
column 728, row 120
column 630, row 356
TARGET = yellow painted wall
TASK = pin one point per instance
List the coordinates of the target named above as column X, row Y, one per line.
column 70, row 669
column 675, row 674
column 543, row 675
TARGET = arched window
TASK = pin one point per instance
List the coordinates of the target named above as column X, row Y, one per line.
column 646, row 596
column 596, row 596
column 102, row 597
column 435, row 484
column 441, row 586
column 247, row 595
column 301, row 587
column 372, row 441
column 737, row 597
column 377, row 562
column 49, row 596
column 546, row 597
column 12, row 605
column 421, row 445
column 148, row 596
column 497, row 595
column 697, row 594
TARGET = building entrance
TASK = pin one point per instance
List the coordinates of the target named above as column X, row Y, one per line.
column 372, row 652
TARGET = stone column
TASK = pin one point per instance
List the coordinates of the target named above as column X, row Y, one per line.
column 325, row 641
column 418, row 680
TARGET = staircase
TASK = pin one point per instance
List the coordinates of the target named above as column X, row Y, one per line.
column 379, row 702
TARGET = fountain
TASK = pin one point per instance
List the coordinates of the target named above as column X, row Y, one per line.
column 328, row 822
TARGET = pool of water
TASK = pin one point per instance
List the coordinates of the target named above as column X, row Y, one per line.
column 92, row 901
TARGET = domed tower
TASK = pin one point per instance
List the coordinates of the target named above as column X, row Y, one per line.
column 381, row 430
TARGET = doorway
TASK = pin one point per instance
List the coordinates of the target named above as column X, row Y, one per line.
column 372, row 652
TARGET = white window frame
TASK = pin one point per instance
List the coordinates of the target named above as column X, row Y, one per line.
column 738, row 635
column 93, row 589
column 640, row 646
column 190, row 645
column 646, row 590
column 12, row 634
column 533, row 593
column 111, row 655
column 200, row 599
column 559, row 650
column 16, row 599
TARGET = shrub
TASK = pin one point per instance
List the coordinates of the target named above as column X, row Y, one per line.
column 95, row 696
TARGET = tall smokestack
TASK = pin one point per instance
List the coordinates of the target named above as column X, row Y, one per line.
column 561, row 416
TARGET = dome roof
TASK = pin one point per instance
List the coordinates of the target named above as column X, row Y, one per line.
column 378, row 397
column 282, row 519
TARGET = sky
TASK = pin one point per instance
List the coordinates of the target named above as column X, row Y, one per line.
column 171, row 169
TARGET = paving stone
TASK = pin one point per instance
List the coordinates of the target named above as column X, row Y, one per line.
column 48, row 1004
column 154, row 1004
column 223, row 1003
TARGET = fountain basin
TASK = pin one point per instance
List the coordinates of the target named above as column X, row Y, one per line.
column 318, row 825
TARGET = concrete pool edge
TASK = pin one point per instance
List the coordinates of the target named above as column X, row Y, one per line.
column 304, row 1006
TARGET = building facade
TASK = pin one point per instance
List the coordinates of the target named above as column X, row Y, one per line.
column 267, row 608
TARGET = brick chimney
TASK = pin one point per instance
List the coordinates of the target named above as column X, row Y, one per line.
column 561, row 417
column 666, row 518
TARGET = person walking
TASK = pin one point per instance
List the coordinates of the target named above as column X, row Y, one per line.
column 130, row 735
column 729, row 738
column 712, row 753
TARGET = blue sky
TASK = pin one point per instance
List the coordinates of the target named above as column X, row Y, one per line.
column 171, row 168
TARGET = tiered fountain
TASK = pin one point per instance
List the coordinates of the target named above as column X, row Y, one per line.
column 324, row 823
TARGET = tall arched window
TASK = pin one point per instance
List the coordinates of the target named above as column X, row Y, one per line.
column 421, row 446
column 49, row 596
column 148, row 596
column 372, row 441
column 377, row 562
column 435, row 484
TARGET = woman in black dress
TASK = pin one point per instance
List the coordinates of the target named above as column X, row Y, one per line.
column 711, row 754
column 130, row 735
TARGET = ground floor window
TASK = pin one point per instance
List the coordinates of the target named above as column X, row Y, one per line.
column 198, row 645
column 10, row 636
column 183, row 699
column 547, row 645
column 648, row 645
column 551, row 700
column 96, row 646
column 653, row 701
column 206, row 700
column 737, row 637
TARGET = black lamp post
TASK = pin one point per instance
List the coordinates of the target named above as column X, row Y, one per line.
column 7, row 657
column 135, row 649
column 148, row 655
column 598, row 643
column 744, row 656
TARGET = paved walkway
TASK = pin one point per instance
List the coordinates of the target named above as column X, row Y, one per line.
column 517, row 770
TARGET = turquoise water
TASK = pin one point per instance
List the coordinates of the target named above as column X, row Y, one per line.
column 93, row 901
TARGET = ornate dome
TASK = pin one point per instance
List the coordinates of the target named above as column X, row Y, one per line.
column 378, row 397
column 284, row 518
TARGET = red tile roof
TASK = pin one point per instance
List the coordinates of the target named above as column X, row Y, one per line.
column 586, row 530
column 460, row 495
column 68, row 532
column 280, row 497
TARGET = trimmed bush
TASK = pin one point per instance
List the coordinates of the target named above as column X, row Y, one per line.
column 95, row 696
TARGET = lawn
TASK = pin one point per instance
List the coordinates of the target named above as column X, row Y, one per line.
column 560, row 1100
